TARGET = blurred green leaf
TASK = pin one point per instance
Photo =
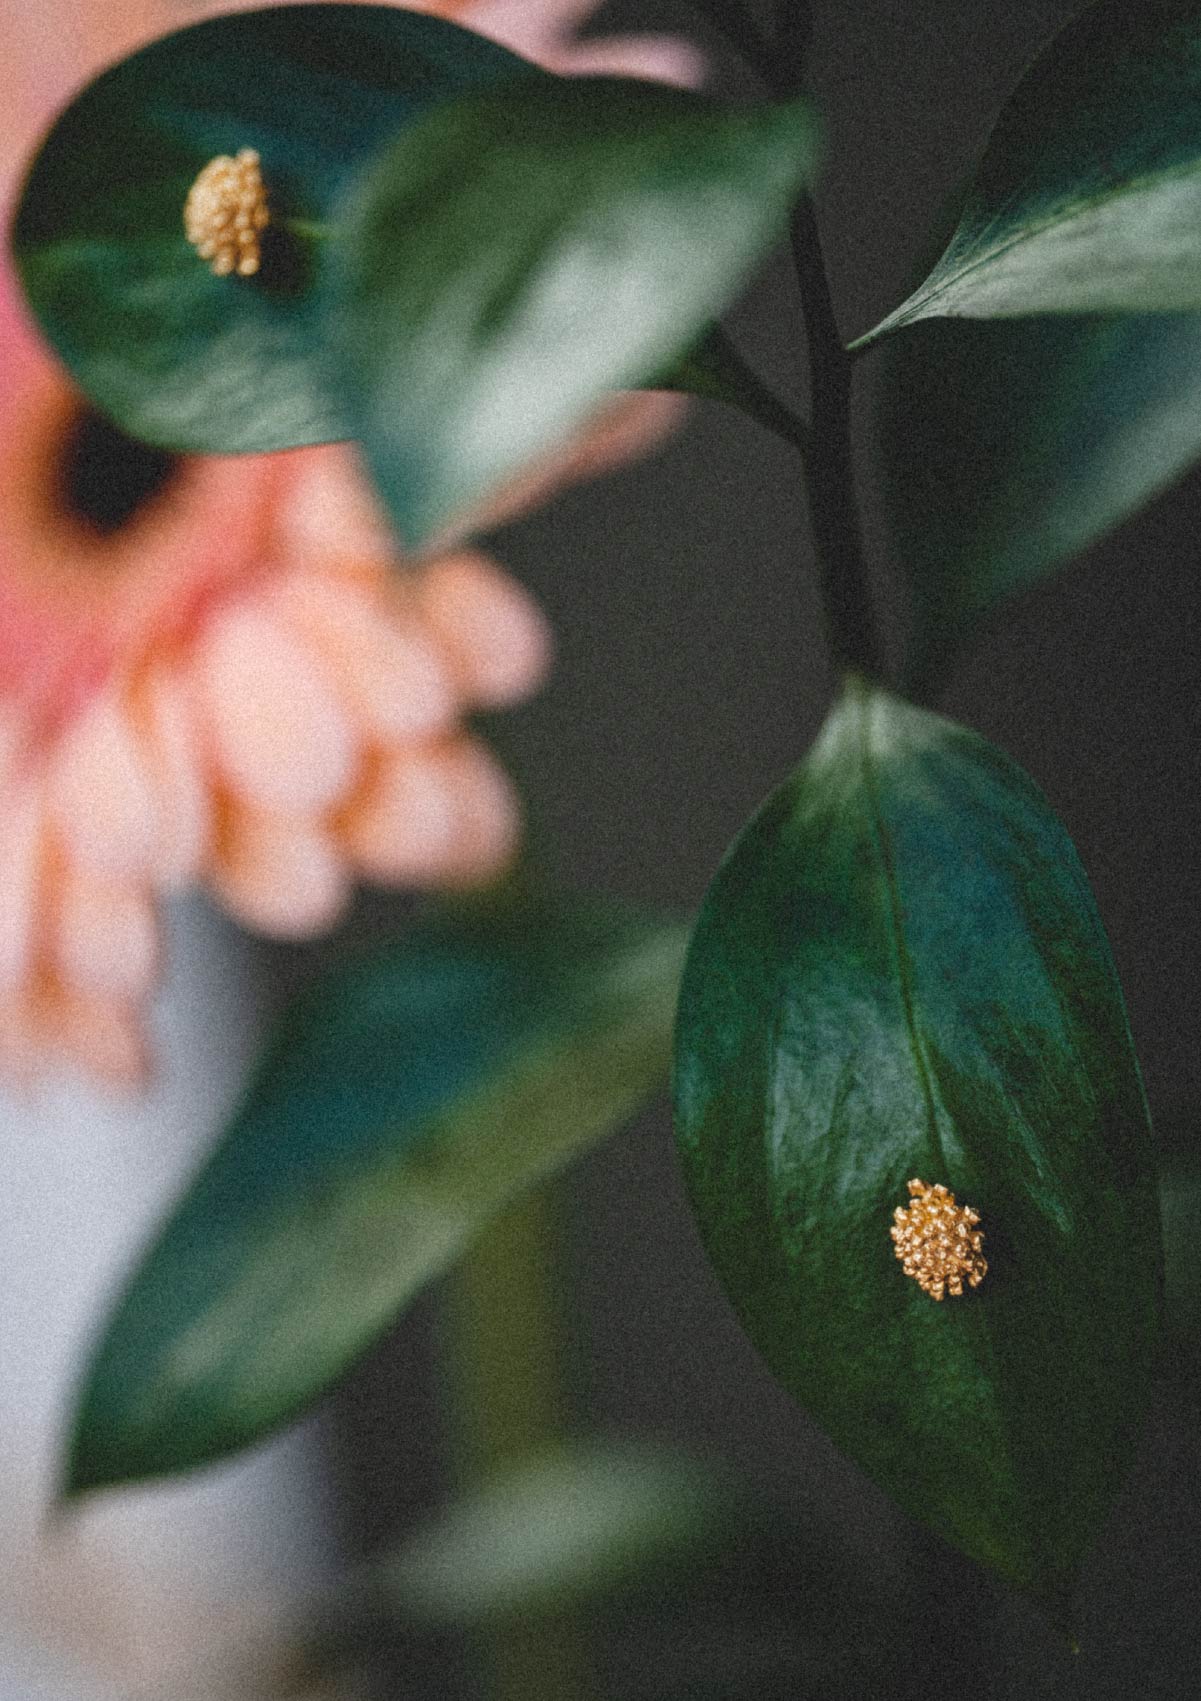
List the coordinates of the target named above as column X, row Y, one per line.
column 899, row 971
column 561, row 1529
column 1010, row 447
column 176, row 356
column 519, row 253
column 407, row 1099
column 1088, row 195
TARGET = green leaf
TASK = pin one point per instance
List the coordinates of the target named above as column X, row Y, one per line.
column 407, row 1099
column 177, row 356
column 1088, row 195
column 1009, row 448
column 520, row 253
column 558, row 1530
column 899, row 972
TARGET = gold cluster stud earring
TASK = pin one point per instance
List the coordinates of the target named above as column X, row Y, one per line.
column 226, row 212
column 937, row 1241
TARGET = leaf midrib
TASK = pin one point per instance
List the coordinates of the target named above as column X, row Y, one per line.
column 913, row 309
column 904, row 965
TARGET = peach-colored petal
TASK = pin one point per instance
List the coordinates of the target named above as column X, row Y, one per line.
column 528, row 27
column 103, row 1037
column 495, row 633
column 385, row 664
column 21, row 840
column 105, row 937
column 21, row 1050
column 327, row 508
column 184, row 812
column 279, row 875
column 101, row 793
column 654, row 58
column 402, row 829
column 280, row 735
column 488, row 825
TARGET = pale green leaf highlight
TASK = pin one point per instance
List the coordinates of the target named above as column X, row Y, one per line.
column 1088, row 195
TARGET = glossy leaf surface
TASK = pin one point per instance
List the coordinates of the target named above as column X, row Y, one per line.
column 899, row 972
column 1010, row 447
column 405, row 1101
column 175, row 355
column 1088, row 195
column 560, row 240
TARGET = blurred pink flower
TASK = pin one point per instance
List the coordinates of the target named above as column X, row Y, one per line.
column 219, row 676
column 231, row 685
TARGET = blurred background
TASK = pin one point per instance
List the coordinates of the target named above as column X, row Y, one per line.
column 691, row 675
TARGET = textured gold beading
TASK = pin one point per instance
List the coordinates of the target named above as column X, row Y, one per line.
column 937, row 1241
column 225, row 213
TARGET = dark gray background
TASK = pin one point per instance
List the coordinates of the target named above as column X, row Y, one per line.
column 692, row 674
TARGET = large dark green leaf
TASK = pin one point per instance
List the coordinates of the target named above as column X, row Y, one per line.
column 519, row 253
column 406, row 1100
column 1088, row 196
column 899, row 972
column 177, row 356
column 1010, row 447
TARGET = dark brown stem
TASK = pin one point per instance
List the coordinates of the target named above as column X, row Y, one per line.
column 834, row 512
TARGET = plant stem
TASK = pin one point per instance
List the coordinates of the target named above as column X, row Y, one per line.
column 505, row 1339
column 714, row 368
column 833, row 508
column 735, row 23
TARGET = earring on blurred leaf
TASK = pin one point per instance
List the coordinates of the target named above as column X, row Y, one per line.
column 225, row 213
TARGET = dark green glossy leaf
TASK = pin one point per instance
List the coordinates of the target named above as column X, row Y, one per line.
column 177, row 356
column 407, row 1099
column 1088, row 196
column 1009, row 448
column 520, row 253
column 899, row 971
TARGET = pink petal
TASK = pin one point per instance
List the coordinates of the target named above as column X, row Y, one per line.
column 183, row 810
column 21, row 841
column 488, row 826
column 443, row 816
column 401, row 831
column 528, row 27
column 385, row 664
column 654, row 58
column 492, row 629
column 105, row 937
column 281, row 737
column 280, row 876
column 327, row 511
column 21, row 1051
column 101, row 794
column 103, row 1037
